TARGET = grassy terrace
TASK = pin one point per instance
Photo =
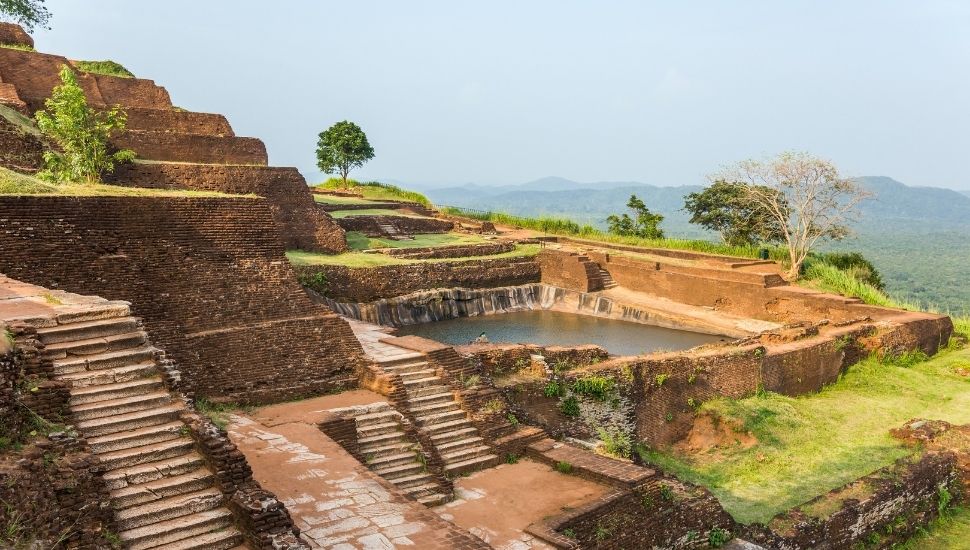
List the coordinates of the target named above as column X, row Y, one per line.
column 362, row 259
column 335, row 199
column 14, row 183
column 811, row 444
column 378, row 191
column 373, row 212
column 359, row 241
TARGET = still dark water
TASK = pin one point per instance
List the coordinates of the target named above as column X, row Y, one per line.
column 558, row 328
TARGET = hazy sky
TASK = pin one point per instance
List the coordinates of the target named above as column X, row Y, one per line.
column 505, row 92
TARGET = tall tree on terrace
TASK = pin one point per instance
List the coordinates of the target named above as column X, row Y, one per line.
column 644, row 223
column 341, row 147
column 725, row 207
column 806, row 196
column 29, row 13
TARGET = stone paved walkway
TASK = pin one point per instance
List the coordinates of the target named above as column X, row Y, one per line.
column 336, row 501
column 369, row 335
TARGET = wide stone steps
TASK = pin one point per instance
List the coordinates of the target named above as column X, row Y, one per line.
column 129, row 421
column 165, row 487
column 441, row 417
column 466, row 453
column 456, row 444
column 445, row 437
column 432, row 388
column 407, row 367
column 477, row 463
column 111, row 376
column 122, row 405
column 102, row 361
column 410, row 480
column 374, row 430
column 107, row 392
column 136, row 438
column 452, row 425
column 434, row 408
column 152, row 452
column 87, row 330
column 380, row 417
column 223, row 539
column 444, row 397
column 146, row 473
column 399, row 470
column 434, row 499
column 168, row 508
column 418, row 375
column 427, row 381
column 178, row 529
column 392, row 460
column 380, row 439
column 92, row 346
column 386, row 449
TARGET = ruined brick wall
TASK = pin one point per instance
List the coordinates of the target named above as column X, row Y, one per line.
column 19, row 150
column 193, row 148
column 181, row 122
column 205, row 274
column 504, row 359
column 11, row 33
column 366, row 284
column 53, row 491
column 370, row 225
column 304, row 225
column 901, row 499
column 454, row 251
column 567, row 270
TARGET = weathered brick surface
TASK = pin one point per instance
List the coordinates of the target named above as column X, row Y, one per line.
column 11, row 33
column 10, row 98
column 19, row 150
column 181, row 122
column 454, row 251
column 503, row 359
column 348, row 284
column 303, row 225
column 206, row 149
column 210, row 282
column 370, row 225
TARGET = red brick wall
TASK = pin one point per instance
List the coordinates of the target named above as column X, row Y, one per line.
column 304, row 226
column 11, row 33
column 209, row 279
column 171, row 147
column 566, row 270
column 183, row 122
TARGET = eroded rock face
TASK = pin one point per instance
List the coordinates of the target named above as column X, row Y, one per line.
column 11, row 33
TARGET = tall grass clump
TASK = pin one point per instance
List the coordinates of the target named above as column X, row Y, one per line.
column 376, row 190
column 830, row 278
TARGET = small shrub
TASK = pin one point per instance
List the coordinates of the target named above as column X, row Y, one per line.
column 669, row 417
column 843, row 342
column 569, row 533
column 316, row 281
column 107, row 67
column 472, row 381
column 692, row 403
column 513, row 420
column 494, row 406
column 661, row 378
column 561, row 366
column 759, row 352
column 511, row 458
column 569, row 406
column 718, row 537
column 616, row 442
column 597, row 387
column 692, row 378
column 554, row 389
column 943, row 500
column 905, row 359
column 666, row 492
column 602, row 533
column 564, row 467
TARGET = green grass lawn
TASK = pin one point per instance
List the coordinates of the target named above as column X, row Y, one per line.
column 14, row 183
column 811, row 444
column 361, row 259
column 359, row 241
column 372, row 212
column 335, row 199
column 949, row 532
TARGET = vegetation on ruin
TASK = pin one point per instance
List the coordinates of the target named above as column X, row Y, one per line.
column 643, row 223
column 375, row 190
column 812, row 444
column 724, row 207
column 21, row 47
column 28, row 13
column 358, row 241
column 81, row 134
column 341, row 148
column 15, row 183
column 106, row 67
column 948, row 531
column 362, row 259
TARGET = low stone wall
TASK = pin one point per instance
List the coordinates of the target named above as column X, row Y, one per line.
column 370, row 225
column 204, row 149
column 210, row 281
column 453, row 251
column 366, row 284
column 877, row 511
column 303, row 225
column 568, row 270
column 505, row 359
column 262, row 518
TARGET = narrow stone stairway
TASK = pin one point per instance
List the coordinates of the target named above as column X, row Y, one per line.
column 389, row 452
column 163, row 494
column 438, row 413
column 391, row 230
column 606, row 279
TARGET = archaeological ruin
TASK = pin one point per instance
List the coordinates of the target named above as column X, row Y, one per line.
column 193, row 361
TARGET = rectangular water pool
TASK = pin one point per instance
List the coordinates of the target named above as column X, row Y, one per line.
column 550, row 328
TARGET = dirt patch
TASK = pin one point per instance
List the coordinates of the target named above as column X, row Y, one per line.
column 311, row 411
column 708, row 434
column 498, row 504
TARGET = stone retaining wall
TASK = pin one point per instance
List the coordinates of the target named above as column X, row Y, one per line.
column 209, row 280
column 303, row 225
column 453, row 251
column 11, row 33
column 366, row 284
column 19, row 151
column 205, row 149
column 181, row 122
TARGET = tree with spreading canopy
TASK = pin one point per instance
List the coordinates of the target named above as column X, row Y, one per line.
column 28, row 13
column 643, row 223
column 342, row 147
column 807, row 197
column 81, row 134
column 725, row 207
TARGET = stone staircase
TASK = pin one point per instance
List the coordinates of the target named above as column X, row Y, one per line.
column 163, row 494
column 390, row 453
column 391, row 230
column 606, row 279
column 437, row 412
